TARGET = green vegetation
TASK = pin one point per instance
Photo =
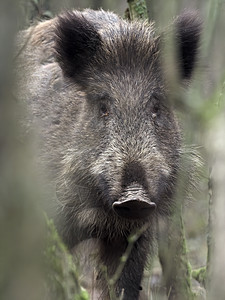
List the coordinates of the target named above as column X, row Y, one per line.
column 62, row 275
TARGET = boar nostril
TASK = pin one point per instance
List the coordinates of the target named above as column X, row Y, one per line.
column 134, row 209
column 121, row 210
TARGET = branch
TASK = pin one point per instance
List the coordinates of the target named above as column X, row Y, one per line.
column 138, row 9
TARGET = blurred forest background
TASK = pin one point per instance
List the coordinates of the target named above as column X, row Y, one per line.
column 203, row 119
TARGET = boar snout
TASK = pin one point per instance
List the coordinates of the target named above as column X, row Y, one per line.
column 134, row 208
column 134, row 202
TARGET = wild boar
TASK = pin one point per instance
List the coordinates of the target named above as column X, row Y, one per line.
column 95, row 88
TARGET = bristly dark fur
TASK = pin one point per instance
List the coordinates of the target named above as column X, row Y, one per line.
column 76, row 42
column 188, row 27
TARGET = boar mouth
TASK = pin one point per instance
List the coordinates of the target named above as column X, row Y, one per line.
column 134, row 204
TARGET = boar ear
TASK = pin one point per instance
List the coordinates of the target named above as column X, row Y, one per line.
column 76, row 41
column 188, row 27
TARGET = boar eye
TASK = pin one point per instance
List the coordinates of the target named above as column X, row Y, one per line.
column 154, row 107
column 155, row 110
column 104, row 112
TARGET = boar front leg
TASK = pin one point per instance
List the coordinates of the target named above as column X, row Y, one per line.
column 128, row 282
